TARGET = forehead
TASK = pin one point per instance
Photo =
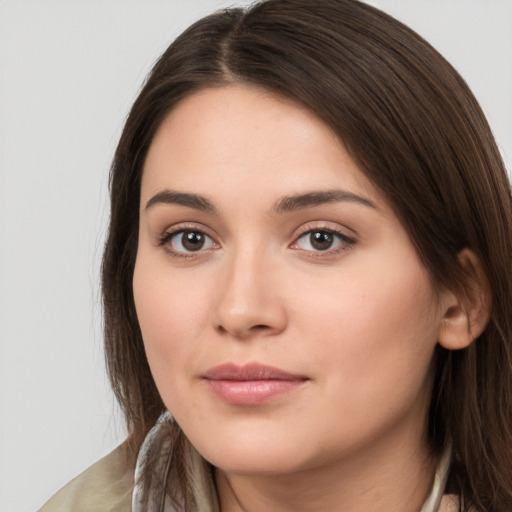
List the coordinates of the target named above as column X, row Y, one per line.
column 247, row 138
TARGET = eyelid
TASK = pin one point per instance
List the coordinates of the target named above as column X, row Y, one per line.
column 322, row 225
column 347, row 240
column 166, row 236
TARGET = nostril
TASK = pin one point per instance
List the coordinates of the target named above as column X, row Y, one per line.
column 242, row 332
column 221, row 329
column 247, row 314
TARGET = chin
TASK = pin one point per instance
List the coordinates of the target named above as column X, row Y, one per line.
column 253, row 455
column 257, row 463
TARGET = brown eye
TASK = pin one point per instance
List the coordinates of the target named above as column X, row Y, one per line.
column 321, row 240
column 190, row 241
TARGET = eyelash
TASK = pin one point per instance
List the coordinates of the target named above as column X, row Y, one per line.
column 344, row 242
column 166, row 239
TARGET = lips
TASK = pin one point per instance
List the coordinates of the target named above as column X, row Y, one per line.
column 251, row 384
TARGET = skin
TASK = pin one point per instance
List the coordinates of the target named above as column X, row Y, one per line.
column 359, row 321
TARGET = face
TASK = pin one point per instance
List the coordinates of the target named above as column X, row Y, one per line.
column 287, row 319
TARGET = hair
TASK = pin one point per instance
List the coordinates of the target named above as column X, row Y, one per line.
column 416, row 131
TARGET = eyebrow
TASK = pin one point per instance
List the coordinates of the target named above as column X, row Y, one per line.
column 311, row 199
column 284, row 205
column 184, row 199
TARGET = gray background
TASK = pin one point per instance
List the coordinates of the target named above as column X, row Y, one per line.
column 69, row 71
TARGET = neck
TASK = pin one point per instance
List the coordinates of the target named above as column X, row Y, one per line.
column 396, row 477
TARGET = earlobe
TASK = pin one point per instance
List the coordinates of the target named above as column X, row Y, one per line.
column 466, row 310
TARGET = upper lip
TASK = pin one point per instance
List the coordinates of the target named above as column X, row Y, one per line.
column 249, row 372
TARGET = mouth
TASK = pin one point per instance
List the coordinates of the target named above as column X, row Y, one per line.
column 251, row 384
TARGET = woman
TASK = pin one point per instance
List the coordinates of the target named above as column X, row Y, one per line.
column 306, row 281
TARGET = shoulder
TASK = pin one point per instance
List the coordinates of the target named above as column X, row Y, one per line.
column 105, row 486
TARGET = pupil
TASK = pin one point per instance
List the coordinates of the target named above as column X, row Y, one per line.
column 321, row 240
column 192, row 240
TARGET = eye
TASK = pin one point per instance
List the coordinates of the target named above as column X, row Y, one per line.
column 187, row 241
column 322, row 240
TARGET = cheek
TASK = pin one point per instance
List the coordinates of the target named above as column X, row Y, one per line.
column 374, row 332
column 171, row 313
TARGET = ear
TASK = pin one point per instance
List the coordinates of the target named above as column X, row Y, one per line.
column 466, row 311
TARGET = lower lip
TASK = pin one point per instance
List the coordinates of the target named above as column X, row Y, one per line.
column 252, row 392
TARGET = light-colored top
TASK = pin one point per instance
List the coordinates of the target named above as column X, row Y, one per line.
column 106, row 486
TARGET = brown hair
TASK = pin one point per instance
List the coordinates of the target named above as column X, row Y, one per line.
column 411, row 123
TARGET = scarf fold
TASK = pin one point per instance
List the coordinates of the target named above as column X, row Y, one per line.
column 152, row 468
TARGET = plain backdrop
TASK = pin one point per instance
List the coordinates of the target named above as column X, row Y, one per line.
column 69, row 71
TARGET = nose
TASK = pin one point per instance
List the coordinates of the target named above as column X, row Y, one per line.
column 250, row 302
